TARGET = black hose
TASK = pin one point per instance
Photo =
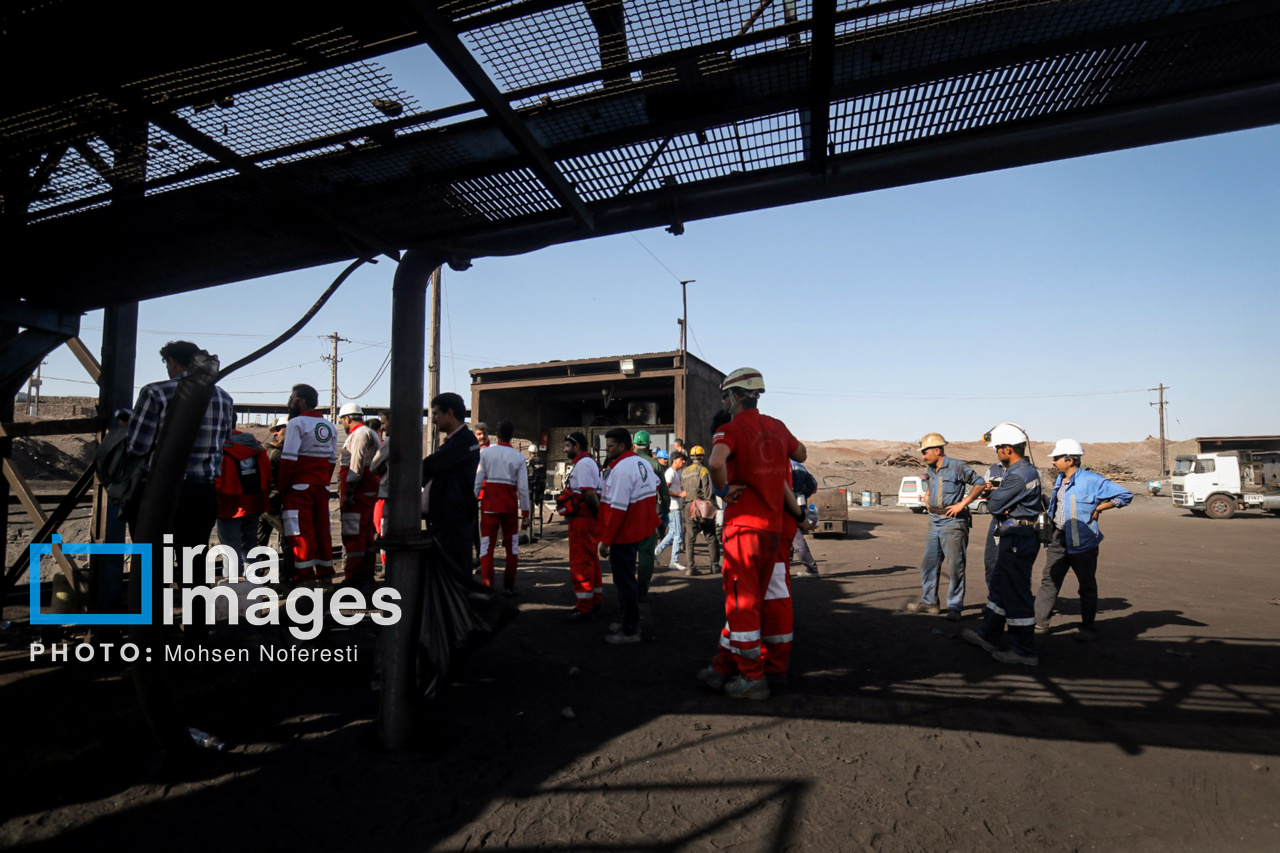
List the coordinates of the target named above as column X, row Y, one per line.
column 297, row 327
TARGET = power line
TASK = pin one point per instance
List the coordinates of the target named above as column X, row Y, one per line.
column 896, row 395
column 655, row 257
column 448, row 319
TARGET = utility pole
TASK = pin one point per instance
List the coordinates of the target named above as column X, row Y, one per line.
column 684, row 317
column 33, row 392
column 333, row 373
column 433, row 359
column 1164, row 462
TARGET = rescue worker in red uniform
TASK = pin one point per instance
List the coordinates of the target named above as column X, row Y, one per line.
column 751, row 470
column 579, row 503
column 306, row 466
column 628, row 516
column 357, row 494
column 502, row 487
column 242, row 486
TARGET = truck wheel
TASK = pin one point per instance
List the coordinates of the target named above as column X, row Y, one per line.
column 1220, row 506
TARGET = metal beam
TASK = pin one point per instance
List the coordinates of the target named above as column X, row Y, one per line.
column 30, row 316
column 439, row 34
column 821, row 69
column 362, row 241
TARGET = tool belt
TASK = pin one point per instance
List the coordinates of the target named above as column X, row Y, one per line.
column 1018, row 522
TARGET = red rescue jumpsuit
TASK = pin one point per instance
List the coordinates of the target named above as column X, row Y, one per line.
column 584, row 556
column 760, row 447
column 504, row 481
column 358, row 530
column 306, row 466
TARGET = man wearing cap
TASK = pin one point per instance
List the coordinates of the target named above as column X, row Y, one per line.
column 357, row 494
column 675, row 522
column 750, row 469
column 481, row 431
column 946, row 482
column 579, row 503
column 1015, row 505
column 648, row 548
column 1078, row 498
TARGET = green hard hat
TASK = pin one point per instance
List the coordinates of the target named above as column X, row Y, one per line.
column 641, row 438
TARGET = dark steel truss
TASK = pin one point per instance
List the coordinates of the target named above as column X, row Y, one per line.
column 267, row 141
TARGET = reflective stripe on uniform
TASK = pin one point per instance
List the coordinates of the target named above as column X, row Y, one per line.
column 744, row 636
column 779, row 638
column 777, row 583
column 584, row 594
column 484, row 545
column 1017, row 623
column 753, row 652
column 995, row 608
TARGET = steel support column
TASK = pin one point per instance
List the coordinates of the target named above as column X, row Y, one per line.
column 398, row 647
column 115, row 391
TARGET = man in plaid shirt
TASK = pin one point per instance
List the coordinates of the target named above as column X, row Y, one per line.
column 197, row 508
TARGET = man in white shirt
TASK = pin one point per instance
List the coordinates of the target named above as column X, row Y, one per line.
column 675, row 527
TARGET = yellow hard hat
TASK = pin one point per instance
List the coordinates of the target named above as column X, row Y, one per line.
column 932, row 439
column 697, row 451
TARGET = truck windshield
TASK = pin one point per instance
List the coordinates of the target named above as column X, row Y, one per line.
column 1183, row 466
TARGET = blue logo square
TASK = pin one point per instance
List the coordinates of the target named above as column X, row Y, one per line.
column 143, row 618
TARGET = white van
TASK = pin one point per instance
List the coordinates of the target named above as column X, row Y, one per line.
column 911, row 494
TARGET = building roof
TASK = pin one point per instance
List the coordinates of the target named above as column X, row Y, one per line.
column 571, row 364
column 173, row 153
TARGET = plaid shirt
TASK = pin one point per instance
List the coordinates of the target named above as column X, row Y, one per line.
column 148, row 413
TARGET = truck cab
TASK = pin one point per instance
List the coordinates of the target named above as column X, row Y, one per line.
column 1217, row 485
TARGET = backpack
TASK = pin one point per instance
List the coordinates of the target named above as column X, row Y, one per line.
column 116, row 468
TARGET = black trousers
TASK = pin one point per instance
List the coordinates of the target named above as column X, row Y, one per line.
column 454, row 538
column 193, row 521
column 1059, row 562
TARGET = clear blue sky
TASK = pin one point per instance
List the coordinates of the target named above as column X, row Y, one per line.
column 1050, row 295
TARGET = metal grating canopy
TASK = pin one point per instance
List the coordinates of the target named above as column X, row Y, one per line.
column 266, row 141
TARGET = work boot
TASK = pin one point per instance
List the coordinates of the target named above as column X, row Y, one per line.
column 741, row 687
column 695, row 572
column 579, row 617
column 1014, row 657
column 972, row 636
column 712, row 679
column 954, row 615
column 1086, row 635
column 619, row 638
column 921, row 607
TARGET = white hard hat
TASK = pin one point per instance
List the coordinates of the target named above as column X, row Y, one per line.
column 932, row 439
column 1066, row 447
column 282, row 421
column 1006, row 433
column 745, row 379
column 351, row 409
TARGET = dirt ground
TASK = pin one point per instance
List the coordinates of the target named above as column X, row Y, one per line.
column 895, row 735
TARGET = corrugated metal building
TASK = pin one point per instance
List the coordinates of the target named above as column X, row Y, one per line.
column 669, row 394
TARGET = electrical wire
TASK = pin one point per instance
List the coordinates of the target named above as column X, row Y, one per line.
column 655, row 257
column 902, row 395
column 453, row 362
column 386, row 362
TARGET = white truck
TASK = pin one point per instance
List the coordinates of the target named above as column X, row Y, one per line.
column 1219, row 484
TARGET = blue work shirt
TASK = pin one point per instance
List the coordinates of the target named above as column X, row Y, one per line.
column 1084, row 491
column 948, row 484
column 1019, row 494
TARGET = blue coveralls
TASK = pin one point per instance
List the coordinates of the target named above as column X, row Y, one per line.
column 993, row 542
column 947, row 537
column 1010, row 601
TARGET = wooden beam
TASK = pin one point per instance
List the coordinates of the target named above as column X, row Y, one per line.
column 19, row 485
column 64, row 426
column 90, row 364
column 56, row 518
